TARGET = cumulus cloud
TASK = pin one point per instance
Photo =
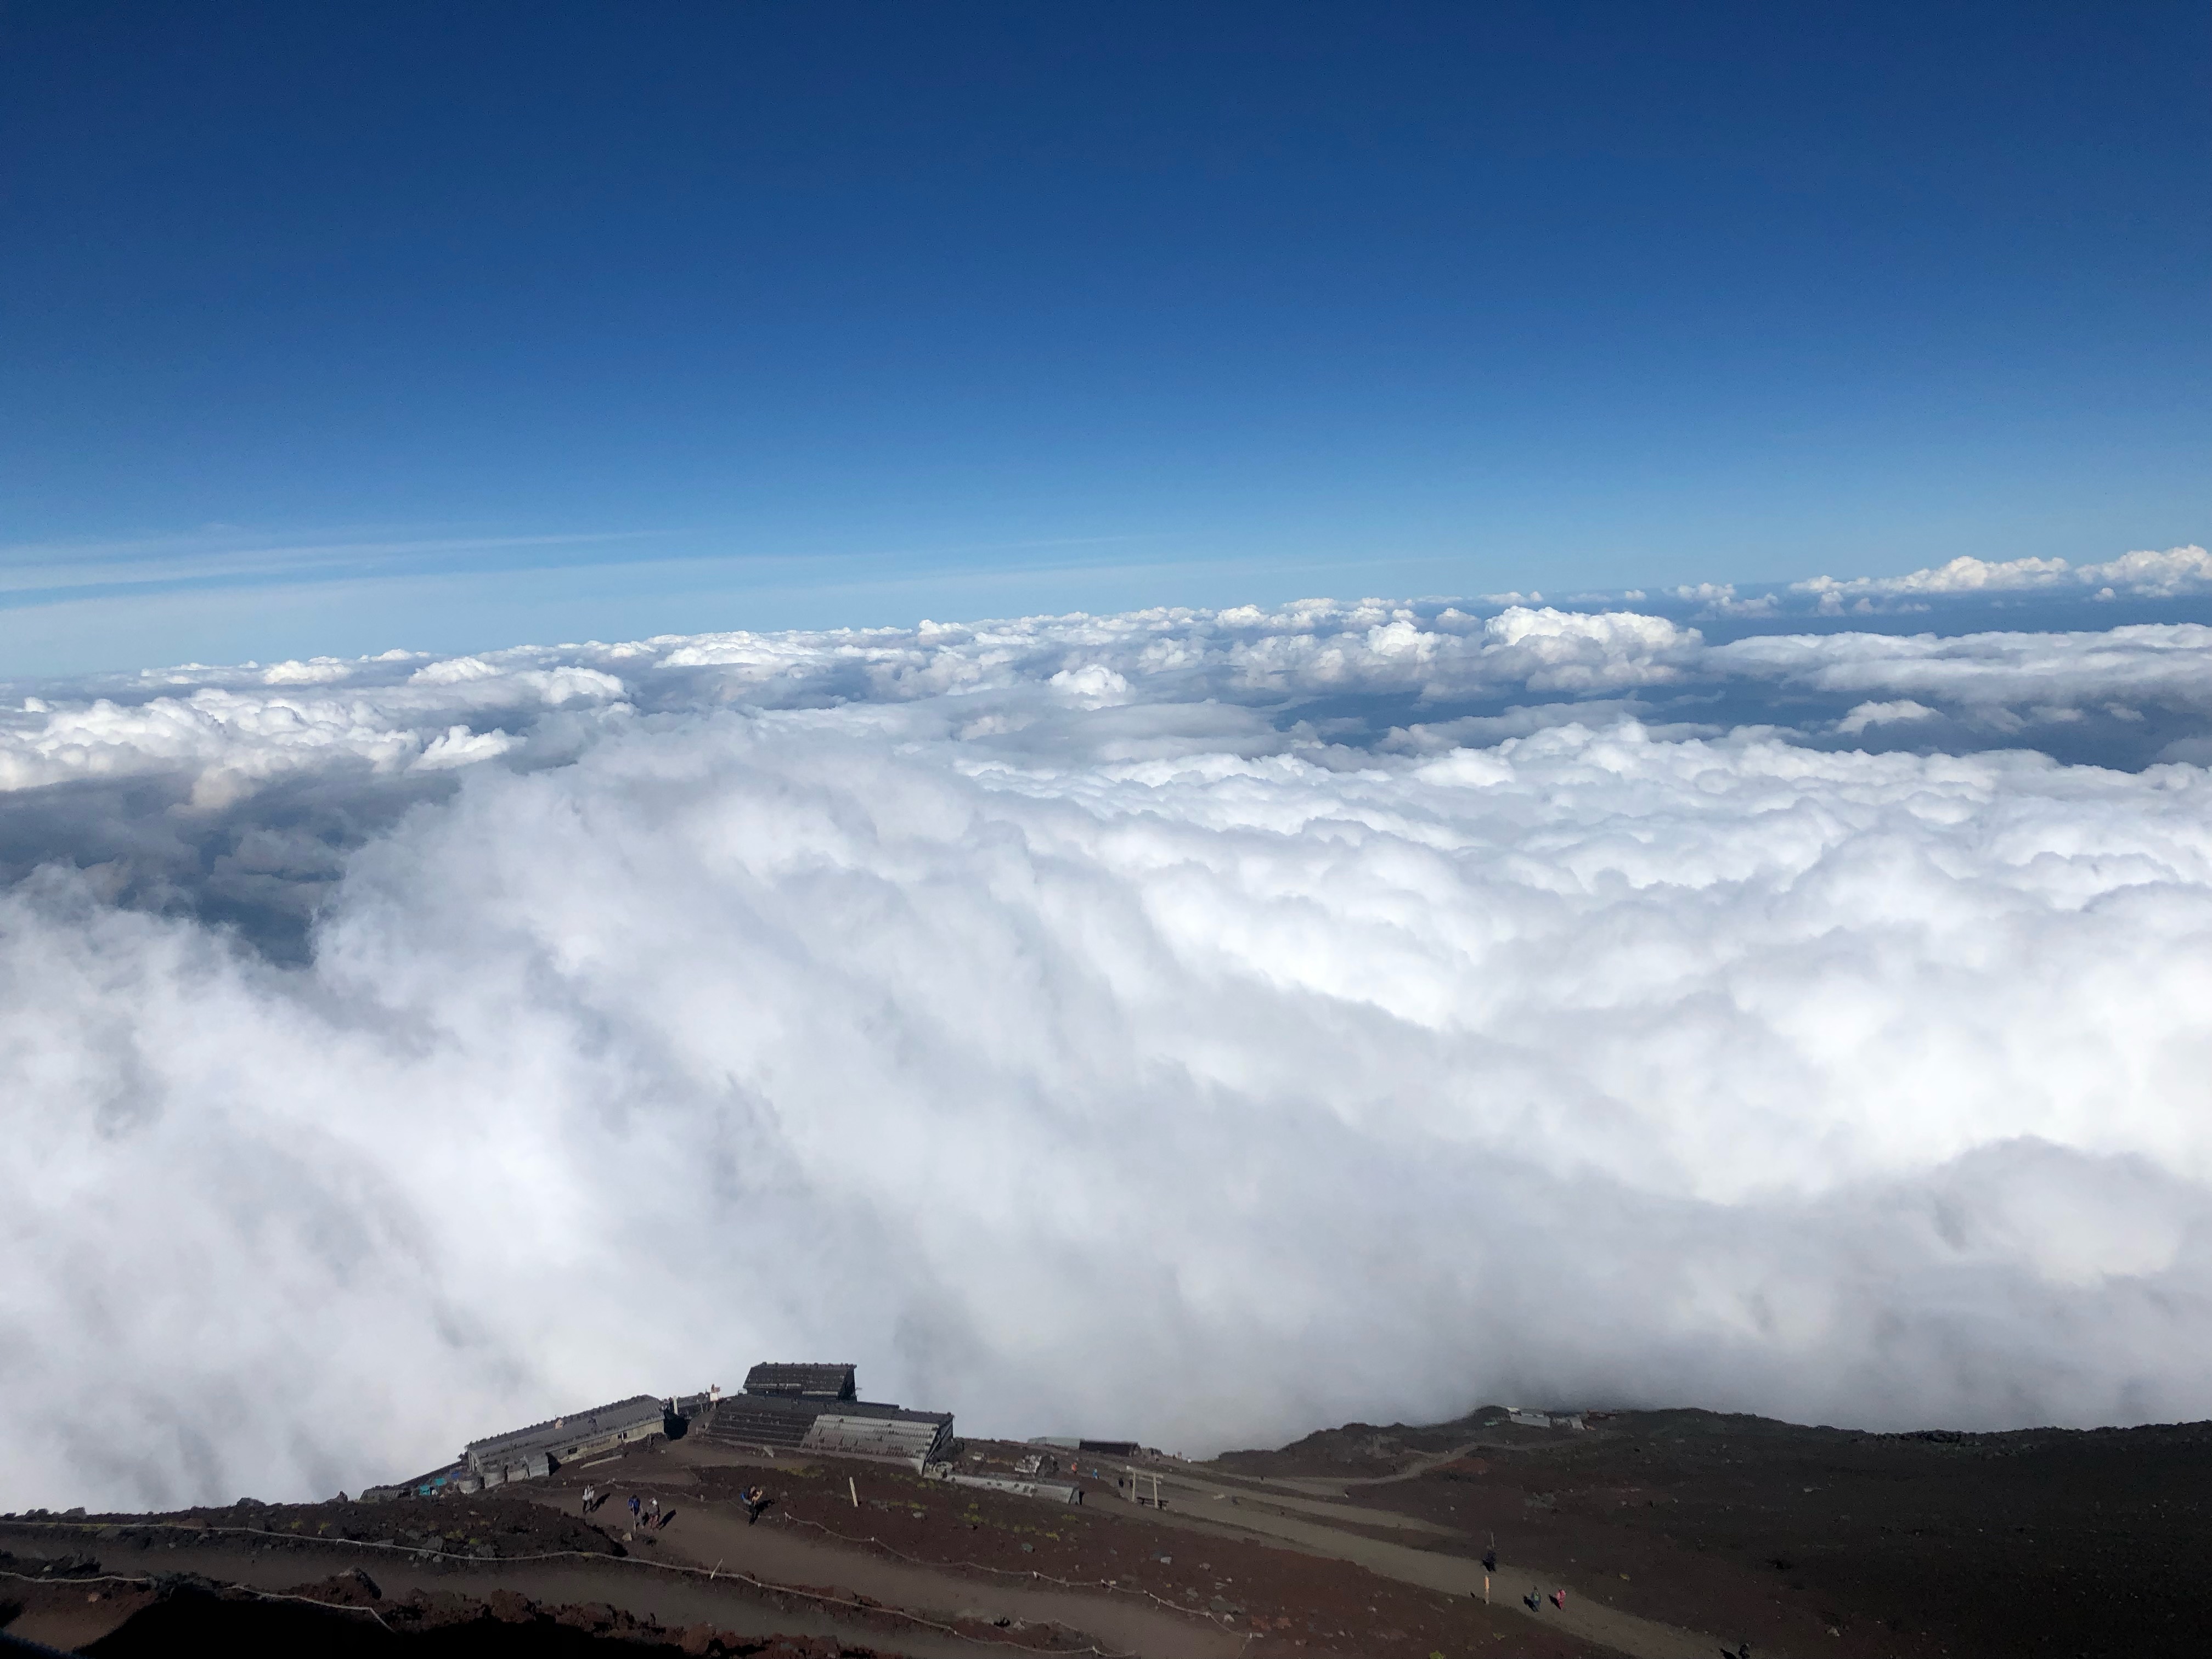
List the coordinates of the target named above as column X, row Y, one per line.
column 2144, row 573
column 1883, row 713
column 1999, row 682
column 1343, row 1009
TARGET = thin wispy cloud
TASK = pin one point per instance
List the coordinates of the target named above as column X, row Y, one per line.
column 42, row 573
column 50, row 574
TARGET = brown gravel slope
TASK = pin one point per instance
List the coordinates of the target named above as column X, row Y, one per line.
column 974, row 1571
column 2040, row 1542
column 1268, row 1599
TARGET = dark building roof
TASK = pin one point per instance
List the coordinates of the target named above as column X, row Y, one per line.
column 753, row 1419
column 803, row 1381
column 639, row 1410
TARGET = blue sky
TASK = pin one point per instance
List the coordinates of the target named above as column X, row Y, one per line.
column 439, row 326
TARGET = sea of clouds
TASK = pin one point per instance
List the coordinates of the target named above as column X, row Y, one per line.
column 1198, row 1025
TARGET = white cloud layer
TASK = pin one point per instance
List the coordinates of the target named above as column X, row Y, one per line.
column 1347, row 1010
column 2142, row 575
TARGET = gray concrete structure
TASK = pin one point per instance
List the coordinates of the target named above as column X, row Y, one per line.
column 915, row 1437
column 523, row 1453
column 1053, row 1492
column 812, row 1408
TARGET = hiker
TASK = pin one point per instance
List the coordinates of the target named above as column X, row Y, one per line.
column 1490, row 1560
column 635, row 1508
column 590, row 1497
column 653, row 1512
column 754, row 1499
column 1559, row 1600
column 1531, row 1601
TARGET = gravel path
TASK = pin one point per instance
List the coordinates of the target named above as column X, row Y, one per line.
column 1302, row 1521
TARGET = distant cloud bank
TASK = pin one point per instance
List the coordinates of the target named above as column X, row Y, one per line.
column 2169, row 575
column 1349, row 1010
column 2176, row 572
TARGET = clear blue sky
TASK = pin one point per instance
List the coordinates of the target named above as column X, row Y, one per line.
column 336, row 328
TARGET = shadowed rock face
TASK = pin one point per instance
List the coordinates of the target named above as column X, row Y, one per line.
column 500, row 1627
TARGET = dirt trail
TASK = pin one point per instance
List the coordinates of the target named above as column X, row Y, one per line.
column 1340, row 1486
column 1586, row 1615
column 716, row 1535
column 673, row 1601
column 1306, row 1502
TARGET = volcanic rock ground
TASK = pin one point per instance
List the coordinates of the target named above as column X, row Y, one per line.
column 1670, row 1533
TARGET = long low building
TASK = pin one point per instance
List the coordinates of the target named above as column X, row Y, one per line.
column 914, row 1437
column 796, row 1408
column 812, row 1408
column 1053, row 1492
column 536, row 1450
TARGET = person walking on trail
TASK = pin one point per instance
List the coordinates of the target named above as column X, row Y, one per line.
column 1559, row 1600
column 635, row 1508
column 1490, row 1560
column 754, row 1499
column 1532, row 1601
column 590, row 1497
